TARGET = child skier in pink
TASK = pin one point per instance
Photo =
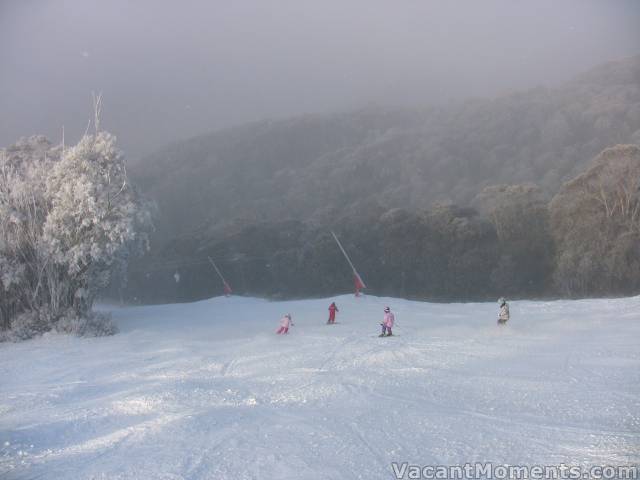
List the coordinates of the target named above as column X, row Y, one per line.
column 387, row 323
column 285, row 323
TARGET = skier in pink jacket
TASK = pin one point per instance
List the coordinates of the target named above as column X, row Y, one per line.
column 285, row 323
column 387, row 323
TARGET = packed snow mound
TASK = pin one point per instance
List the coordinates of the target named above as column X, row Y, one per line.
column 208, row 391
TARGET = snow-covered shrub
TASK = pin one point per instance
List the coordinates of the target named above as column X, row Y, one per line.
column 28, row 324
column 93, row 324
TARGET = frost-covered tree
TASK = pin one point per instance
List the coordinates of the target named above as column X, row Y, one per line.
column 595, row 220
column 68, row 220
column 23, row 210
column 95, row 217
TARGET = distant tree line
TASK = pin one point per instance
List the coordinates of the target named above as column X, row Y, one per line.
column 511, row 241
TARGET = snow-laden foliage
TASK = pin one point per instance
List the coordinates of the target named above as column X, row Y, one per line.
column 69, row 219
column 94, row 216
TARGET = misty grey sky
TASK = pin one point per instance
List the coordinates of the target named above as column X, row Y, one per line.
column 170, row 70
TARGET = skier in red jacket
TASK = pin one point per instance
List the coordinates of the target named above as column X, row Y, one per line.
column 332, row 313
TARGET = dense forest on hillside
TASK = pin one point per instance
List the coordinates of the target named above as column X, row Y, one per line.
column 461, row 202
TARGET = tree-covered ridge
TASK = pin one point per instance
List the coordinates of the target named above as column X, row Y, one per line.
column 319, row 166
column 448, row 203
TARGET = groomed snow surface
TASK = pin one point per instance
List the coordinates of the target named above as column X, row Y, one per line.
column 208, row 391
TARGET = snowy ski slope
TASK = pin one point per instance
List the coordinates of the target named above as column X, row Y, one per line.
column 208, row 391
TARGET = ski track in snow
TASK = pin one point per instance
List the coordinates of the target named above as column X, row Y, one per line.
column 208, row 391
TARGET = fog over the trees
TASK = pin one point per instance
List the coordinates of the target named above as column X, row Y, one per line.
column 169, row 70
column 437, row 139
